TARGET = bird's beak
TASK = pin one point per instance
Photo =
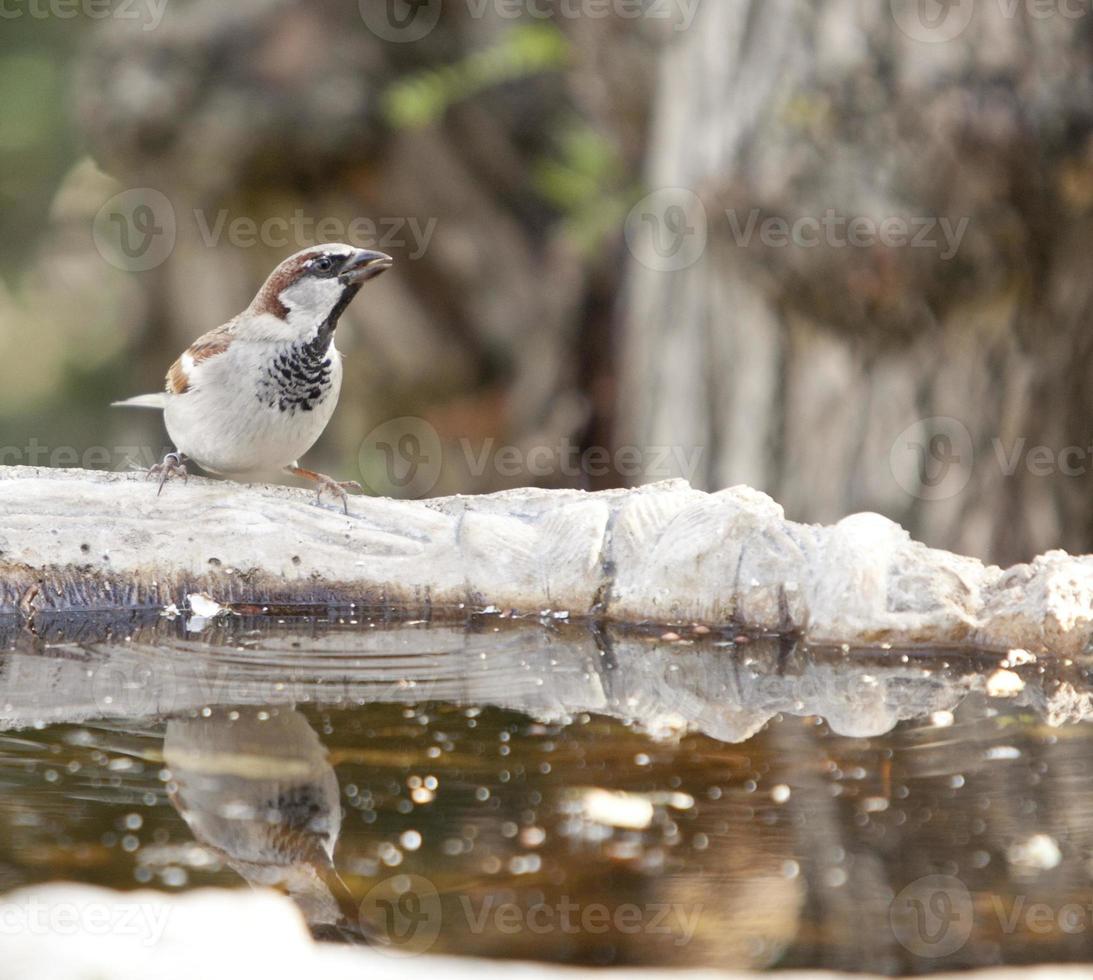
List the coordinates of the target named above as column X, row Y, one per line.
column 363, row 265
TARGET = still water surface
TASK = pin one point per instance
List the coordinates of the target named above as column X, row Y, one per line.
column 553, row 792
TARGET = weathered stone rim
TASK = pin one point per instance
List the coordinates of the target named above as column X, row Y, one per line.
column 662, row 554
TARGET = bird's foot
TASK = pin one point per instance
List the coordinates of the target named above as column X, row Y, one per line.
column 174, row 464
column 326, row 484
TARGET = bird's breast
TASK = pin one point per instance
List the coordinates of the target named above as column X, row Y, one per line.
column 258, row 411
column 298, row 378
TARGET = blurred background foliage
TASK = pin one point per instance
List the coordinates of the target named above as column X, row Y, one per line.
column 270, row 108
column 506, row 158
column 38, row 141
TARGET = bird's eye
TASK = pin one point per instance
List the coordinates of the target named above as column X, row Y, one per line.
column 324, row 264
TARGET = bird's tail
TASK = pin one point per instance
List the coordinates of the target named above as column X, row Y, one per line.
column 157, row 401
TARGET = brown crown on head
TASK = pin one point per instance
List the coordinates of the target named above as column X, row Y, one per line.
column 268, row 299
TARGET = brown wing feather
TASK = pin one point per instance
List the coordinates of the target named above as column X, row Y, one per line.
column 178, row 383
column 210, row 345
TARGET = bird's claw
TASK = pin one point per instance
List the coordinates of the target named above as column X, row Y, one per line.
column 171, row 466
column 326, row 484
column 336, row 489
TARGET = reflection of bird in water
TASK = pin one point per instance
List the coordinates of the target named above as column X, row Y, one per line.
column 258, row 789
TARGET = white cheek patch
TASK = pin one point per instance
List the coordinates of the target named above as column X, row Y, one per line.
column 312, row 298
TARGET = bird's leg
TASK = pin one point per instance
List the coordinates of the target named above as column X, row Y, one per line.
column 174, row 464
column 326, row 483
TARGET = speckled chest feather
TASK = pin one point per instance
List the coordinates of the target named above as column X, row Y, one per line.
column 298, row 379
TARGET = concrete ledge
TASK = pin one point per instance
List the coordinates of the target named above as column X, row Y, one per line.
column 74, row 539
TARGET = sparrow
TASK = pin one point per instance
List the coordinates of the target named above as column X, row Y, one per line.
column 263, row 796
column 256, row 393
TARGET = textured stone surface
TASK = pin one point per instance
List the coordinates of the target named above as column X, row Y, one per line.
column 665, row 553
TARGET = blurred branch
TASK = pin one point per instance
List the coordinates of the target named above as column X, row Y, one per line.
column 423, row 97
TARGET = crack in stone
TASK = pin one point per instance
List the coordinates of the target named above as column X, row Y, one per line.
column 605, row 561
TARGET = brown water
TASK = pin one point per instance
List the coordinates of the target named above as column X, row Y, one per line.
column 552, row 792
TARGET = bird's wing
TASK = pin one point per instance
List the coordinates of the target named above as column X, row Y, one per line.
column 157, row 401
column 212, row 344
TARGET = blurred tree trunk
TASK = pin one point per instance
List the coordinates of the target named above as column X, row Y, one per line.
column 799, row 368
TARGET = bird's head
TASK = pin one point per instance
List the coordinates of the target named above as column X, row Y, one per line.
column 310, row 290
